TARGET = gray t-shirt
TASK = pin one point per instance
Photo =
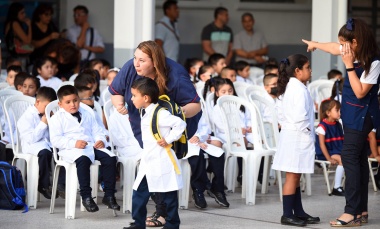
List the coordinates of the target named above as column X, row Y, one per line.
column 169, row 35
column 248, row 42
column 220, row 38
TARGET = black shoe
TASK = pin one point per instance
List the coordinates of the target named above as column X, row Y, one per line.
column 293, row 221
column 199, row 199
column 90, row 205
column 46, row 192
column 61, row 190
column 220, row 198
column 338, row 191
column 309, row 219
column 110, row 201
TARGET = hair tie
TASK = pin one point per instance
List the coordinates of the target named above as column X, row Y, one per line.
column 285, row 61
column 350, row 24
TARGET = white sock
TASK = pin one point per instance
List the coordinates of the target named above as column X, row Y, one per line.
column 339, row 172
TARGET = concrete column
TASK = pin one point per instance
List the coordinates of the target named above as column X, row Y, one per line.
column 328, row 16
column 133, row 23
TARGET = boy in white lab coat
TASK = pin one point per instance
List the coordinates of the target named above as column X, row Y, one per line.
column 159, row 169
column 34, row 135
column 79, row 138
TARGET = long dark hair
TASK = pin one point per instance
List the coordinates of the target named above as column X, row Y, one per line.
column 287, row 68
column 12, row 15
column 327, row 105
column 219, row 83
column 367, row 48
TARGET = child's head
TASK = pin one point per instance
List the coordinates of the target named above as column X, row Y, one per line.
column 242, row 68
column 361, row 40
column 334, row 74
column 271, row 68
column 111, row 74
column 44, row 67
column 11, row 74
column 30, row 85
column 97, row 64
column 144, row 92
column 205, row 73
column 86, row 96
column 223, row 86
column 330, row 109
column 270, row 84
column 228, row 73
column 297, row 66
column 218, row 62
column 271, row 61
column 192, row 65
column 87, row 78
column 19, row 80
column 44, row 96
column 68, row 98
column 106, row 66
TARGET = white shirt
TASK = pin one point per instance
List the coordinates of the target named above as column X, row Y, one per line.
column 53, row 82
column 373, row 74
column 242, row 79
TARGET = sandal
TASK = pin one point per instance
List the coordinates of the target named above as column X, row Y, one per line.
column 155, row 222
column 149, row 218
column 356, row 222
column 364, row 219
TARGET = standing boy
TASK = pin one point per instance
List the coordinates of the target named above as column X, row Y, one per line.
column 79, row 138
column 159, row 169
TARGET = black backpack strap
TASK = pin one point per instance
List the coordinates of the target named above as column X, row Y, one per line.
column 91, row 42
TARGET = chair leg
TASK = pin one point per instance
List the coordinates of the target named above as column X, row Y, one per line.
column 279, row 179
column 32, row 182
column 71, row 191
column 54, row 188
column 129, row 170
column 372, row 176
column 252, row 166
column 308, row 184
column 184, row 193
column 231, row 173
column 264, row 184
column 326, row 175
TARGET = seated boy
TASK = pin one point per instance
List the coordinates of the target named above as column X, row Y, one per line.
column 34, row 135
column 80, row 139
column 218, row 62
column 242, row 69
column 12, row 71
column 159, row 169
column 228, row 73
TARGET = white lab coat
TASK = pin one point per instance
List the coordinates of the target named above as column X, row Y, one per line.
column 65, row 130
column 52, row 82
column 122, row 135
column 155, row 163
column 295, row 150
column 34, row 134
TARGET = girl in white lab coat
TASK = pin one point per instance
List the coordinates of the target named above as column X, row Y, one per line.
column 295, row 151
column 159, row 169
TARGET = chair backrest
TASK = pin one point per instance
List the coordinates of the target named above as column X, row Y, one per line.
column 312, row 87
column 102, row 85
column 50, row 109
column 271, row 129
column 255, row 89
column 3, row 85
column 106, row 95
column 255, row 73
column 4, row 94
column 240, row 88
column 73, row 77
column 230, row 107
column 108, row 110
column 209, row 108
column 324, row 91
column 15, row 106
column 67, row 83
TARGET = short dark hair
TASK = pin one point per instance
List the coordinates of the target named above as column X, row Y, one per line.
column 219, row 10
column 270, row 67
column 247, row 14
column 105, row 62
column 332, row 73
column 46, row 93
column 85, row 77
column 240, row 65
column 268, row 77
column 147, row 86
column 38, row 63
column 82, row 89
column 214, row 58
column 14, row 68
column 41, row 9
column 66, row 90
column 20, row 78
column 81, row 7
column 168, row 4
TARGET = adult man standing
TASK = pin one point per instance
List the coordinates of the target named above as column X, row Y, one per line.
column 167, row 35
column 85, row 37
column 217, row 37
column 250, row 45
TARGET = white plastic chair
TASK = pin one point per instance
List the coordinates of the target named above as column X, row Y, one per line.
column 235, row 145
column 14, row 107
column 370, row 160
column 105, row 96
column 71, row 175
column 3, row 85
column 240, row 89
column 73, row 77
column 102, row 85
column 4, row 94
column 324, row 90
column 256, row 73
column 326, row 172
column 67, row 83
column 129, row 164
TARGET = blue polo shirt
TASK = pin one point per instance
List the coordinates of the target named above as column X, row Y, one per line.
column 353, row 109
column 179, row 88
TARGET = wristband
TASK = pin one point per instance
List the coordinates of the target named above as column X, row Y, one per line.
column 350, row 69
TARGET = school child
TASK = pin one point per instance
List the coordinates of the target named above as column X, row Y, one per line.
column 329, row 142
column 271, row 68
column 159, row 169
column 270, row 86
column 226, row 87
column 218, row 62
column 43, row 70
column 88, row 78
column 79, row 138
column 97, row 64
column 199, row 180
column 228, row 73
column 30, row 86
column 192, row 66
column 242, row 69
column 295, row 151
column 11, row 74
column 111, row 74
column 334, row 75
column 106, row 68
column 205, row 73
column 34, row 136
column 210, row 86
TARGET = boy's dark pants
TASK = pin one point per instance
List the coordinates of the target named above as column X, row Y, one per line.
column 108, row 165
column 44, row 164
column 140, row 199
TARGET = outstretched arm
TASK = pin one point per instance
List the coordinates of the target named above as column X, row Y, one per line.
column 330, row 47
